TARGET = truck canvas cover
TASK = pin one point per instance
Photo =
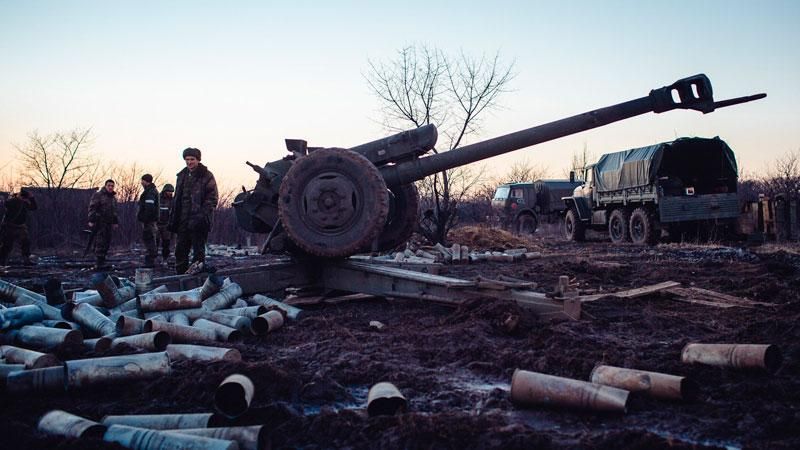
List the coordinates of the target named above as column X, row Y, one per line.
column 685, row 157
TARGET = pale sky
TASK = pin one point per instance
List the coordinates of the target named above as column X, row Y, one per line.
column 236, row 78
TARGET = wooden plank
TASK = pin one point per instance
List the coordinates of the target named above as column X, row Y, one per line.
column 704, row 302
column 646, row 290
column 631, row 293
column 719, row 296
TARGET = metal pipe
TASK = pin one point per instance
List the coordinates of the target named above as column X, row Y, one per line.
column 224, row 298
column 143, row 439
column 29, row 358
column 87, row 372
column 47, row 338
column 49, row 311
column 211, row 286
column 180, row 319
column 18, row 316
column 155, row 341
column 127, row 326
column 239, row 303
column 107, row 289
column 6, row 369
column 167, row 301
column 384, row 399
column 91, row 297
column 655, row 384
column 54, row 292
column 62, row 423
column 162, row 421
column 181, row 334
column 267, row 322
column 223, row 333
column 251, row 312
column 48, row 379
column 255, row 437
column 537, row 388
column 292, row 312
column 89, row 317
column 143, row 280
column 63, row 324
column 191, row 314
column 13, row 293
column 233, row 396
column 178, row 352
column 97, row 345
column 240, row 323
column 740, row 356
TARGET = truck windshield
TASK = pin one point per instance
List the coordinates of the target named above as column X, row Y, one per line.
column 502, row 193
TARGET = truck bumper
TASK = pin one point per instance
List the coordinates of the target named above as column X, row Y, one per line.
column 698, row 207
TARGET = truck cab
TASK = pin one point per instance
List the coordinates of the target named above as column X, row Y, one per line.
column 522, row 207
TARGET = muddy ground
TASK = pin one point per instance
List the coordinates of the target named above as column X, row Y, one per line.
column 455, row 365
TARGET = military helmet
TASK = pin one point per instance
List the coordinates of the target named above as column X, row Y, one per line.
column 168, row 188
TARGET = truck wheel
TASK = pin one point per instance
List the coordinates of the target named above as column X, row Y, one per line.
column 643, row 227
column 574, row 229
column 618, row 226
column 526, row 224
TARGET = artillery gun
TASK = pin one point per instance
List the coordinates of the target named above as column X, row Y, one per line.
column 335, row 202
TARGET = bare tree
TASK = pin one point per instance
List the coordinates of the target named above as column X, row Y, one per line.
column 580, row 160
column 784, row 176
column 523, row 171
column 58, row 160
column 423, row 85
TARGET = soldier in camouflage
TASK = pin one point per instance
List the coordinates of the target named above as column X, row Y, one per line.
column 165, row 202
column 148, row 216
column 103, row 220
column 14, row 227
column 196, row 198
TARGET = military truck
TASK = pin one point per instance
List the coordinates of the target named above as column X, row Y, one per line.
column 641, row 194
column 521, row 207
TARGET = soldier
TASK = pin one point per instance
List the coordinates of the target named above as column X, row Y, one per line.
column 164, row 209
column 15, row 226
column 102, row 220
column 195, row 199
column 148, row 215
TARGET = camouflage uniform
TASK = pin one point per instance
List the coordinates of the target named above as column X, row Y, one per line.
column 164, row 210
column 14, row 227
column 195, row 200
column 148, row 215
column 103, row 213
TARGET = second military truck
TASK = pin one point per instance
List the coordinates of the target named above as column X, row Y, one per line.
column 639, row 194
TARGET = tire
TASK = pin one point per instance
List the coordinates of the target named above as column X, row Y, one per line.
column 618, row 226
column 526, row 224
column 574, row 229
column 403, row 217
column 643, row 227
column 333, row 203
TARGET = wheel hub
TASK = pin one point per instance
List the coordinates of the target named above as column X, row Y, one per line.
column 330, row 202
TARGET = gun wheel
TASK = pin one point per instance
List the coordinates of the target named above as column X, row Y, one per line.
column 333, row 203
column 403, row 217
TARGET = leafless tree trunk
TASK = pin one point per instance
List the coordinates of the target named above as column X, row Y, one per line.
column 423, row 85
column 580, row 159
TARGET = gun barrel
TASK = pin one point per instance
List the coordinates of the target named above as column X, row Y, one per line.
column 689, row 93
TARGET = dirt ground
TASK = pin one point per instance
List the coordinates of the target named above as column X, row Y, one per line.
column 455, row 365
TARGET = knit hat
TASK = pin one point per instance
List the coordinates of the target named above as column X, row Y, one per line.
column 191, row 151
column 168, row 188
column 147, row 177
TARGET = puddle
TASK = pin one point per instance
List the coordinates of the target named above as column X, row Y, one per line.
column 358, row 393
